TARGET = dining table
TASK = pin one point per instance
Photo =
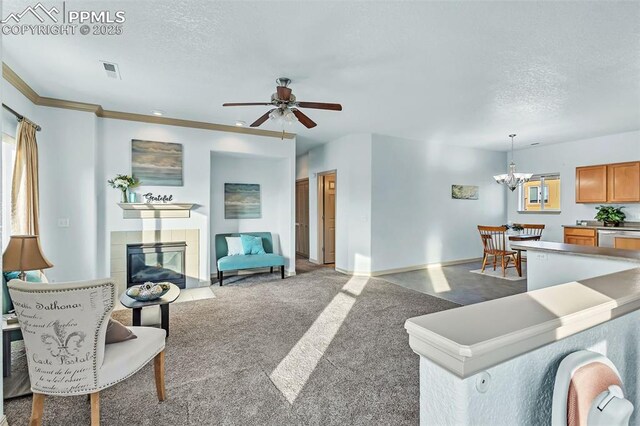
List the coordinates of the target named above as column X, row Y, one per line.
column 522, row 237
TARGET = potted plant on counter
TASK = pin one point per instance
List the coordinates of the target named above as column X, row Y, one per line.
column 123, row 183
column 610, row 215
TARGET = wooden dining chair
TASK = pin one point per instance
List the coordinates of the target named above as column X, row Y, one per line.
column 532, row 228
column 494, row 242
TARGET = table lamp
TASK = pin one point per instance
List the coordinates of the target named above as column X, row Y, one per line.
column 23, row 253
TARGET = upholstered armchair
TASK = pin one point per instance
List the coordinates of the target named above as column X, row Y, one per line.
column 64, row 327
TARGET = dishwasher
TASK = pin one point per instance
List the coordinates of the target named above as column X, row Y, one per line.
column 607, row 238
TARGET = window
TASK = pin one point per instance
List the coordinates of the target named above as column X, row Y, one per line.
column 540, row 194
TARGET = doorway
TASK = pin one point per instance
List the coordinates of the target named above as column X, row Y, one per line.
column 302, row 218
column 327, row 186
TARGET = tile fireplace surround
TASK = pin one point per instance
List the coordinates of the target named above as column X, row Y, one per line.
column 120, row 239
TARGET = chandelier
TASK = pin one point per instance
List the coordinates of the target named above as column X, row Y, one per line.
column 513, row 179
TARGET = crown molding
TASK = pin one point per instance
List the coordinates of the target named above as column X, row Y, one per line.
column 16, row 81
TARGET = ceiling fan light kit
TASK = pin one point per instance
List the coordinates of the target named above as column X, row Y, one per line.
column 283, row 116
column 512, row 179
column 285, row 111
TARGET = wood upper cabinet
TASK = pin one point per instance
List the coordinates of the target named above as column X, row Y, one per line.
column 591, row 184
column 623, row 182
column 608, row 183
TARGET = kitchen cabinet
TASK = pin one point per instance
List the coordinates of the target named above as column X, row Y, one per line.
column 623, row 182
column 591, row 184
column 608, row 183
column 581, row 236
column 627, row 243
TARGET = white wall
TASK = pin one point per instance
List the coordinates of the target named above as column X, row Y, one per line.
column 394, row 208
column 350, row 157
column 78, row 152
column 67, row 153
column 414, row 219
column 115, row 154
column 564, row 158
column 302, row 166
column 545, row 269
column 272, row 174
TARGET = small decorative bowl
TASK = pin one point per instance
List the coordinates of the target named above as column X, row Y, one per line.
column 148, row 291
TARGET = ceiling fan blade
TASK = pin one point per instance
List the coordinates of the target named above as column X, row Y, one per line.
column 284, row 93
column 247, row 104
column 306, row 121
column 262, row 119
column 320, row 105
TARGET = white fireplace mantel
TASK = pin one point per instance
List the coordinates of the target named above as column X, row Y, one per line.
column 155, row 210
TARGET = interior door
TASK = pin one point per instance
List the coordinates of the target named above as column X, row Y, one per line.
column 329, row 214
column 302, row 218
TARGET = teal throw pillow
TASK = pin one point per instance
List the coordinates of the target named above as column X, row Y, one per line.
column 252, row 245
column 32, row 276
column 7, row 304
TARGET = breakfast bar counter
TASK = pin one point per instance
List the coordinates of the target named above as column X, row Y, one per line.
column 550, row 263
column 496, row 360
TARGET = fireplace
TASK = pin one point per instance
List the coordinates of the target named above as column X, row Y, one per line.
column 156, row 262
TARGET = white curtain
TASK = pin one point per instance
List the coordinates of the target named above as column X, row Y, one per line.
column 25, row 205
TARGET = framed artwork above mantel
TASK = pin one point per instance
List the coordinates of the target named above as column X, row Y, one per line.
column 156, row 163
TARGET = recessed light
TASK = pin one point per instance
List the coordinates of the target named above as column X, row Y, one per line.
column 240, row 123
column 535, row 143
column 157, row 112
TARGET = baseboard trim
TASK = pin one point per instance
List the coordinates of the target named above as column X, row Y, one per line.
column 354, row 273
column 4, row 421
column 424, row 266
column 314, row 261
column 406, row 268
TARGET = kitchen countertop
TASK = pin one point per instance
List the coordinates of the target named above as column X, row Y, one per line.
column 578, row 250
column 627, row 226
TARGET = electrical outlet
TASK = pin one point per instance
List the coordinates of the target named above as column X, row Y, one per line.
column 482, row 382
column 63, row 222
column 542, row 256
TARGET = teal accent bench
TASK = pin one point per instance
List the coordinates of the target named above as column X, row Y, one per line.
column 248, row 261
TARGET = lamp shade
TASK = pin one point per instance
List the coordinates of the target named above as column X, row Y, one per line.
column 23, row 253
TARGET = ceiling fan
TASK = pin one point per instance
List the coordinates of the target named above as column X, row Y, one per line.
column 286, row 106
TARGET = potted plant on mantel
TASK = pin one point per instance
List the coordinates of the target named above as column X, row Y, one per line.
column 610, row 215
column 123, row 183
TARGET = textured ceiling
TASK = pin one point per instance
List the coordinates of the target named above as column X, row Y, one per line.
column 463, row 73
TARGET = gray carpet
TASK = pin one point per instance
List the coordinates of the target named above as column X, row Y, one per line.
column 222, row 352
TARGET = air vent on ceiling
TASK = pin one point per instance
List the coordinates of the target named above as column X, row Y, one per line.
column 111, row 69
